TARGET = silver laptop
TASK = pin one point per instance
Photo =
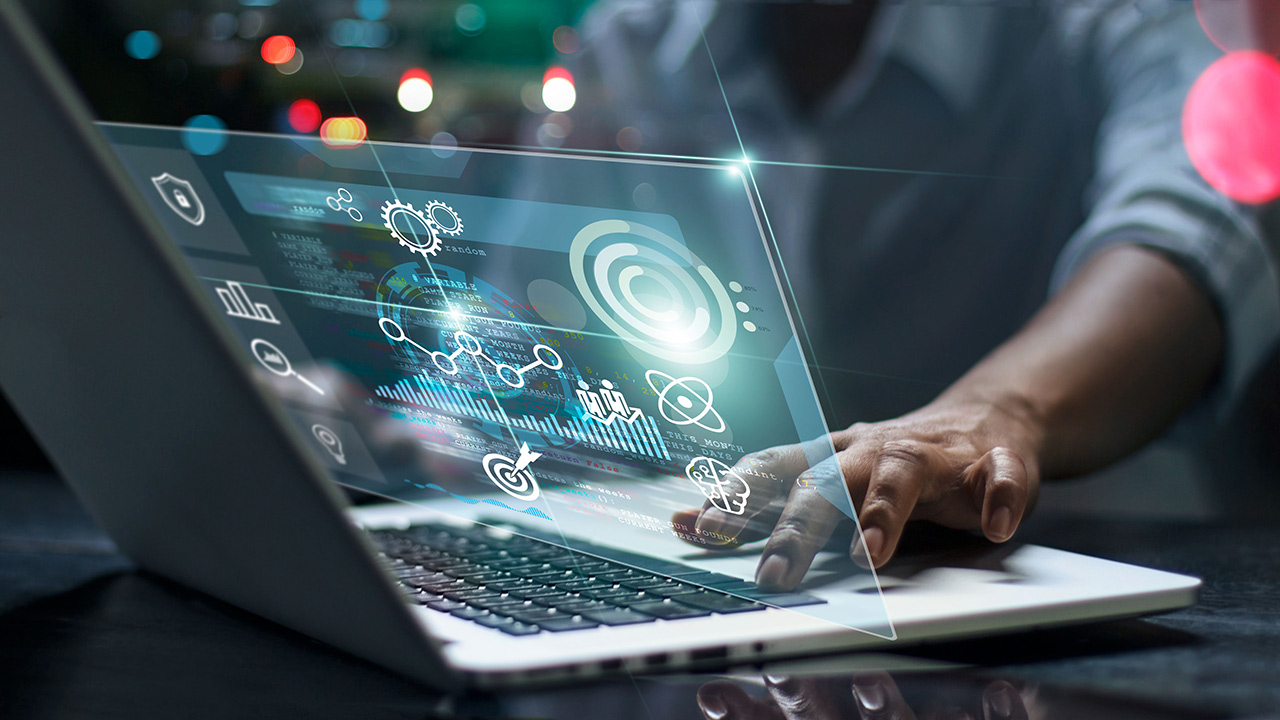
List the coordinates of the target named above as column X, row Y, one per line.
column 533, row 361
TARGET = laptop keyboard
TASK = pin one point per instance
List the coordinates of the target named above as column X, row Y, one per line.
column 523, row 586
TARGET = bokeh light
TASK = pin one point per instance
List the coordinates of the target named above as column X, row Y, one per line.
column 343, row 132
column 278, row 49
column 142, row 44
column 204, row 134
column 304, row 115
column 558, row 93
column 293, row 65
column 371, row 9
column 565, row 39
column 470, row 19
column 415, row 92
column 1241, row 24
column 1231, row 126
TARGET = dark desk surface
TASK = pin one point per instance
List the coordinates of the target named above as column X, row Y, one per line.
column 83, row 635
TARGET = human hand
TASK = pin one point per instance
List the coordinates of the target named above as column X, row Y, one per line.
column 871, row 696
column 960, row 464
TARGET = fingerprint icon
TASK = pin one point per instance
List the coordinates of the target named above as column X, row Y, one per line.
column 501, row 470
column 652, row 291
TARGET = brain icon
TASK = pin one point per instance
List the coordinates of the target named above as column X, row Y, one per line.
column 719, row 484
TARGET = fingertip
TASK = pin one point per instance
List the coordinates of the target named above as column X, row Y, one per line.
column 773, row 572
column 873, row 541
column 1000, row 525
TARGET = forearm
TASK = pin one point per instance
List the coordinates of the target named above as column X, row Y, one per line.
column 1106, row 365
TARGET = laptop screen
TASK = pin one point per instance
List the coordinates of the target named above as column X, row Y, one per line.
column 575, row 348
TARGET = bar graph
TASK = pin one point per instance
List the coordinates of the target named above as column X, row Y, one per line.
column 641, row 438
column 238, row 304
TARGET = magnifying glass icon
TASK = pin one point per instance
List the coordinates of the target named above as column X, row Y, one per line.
column 270, row 357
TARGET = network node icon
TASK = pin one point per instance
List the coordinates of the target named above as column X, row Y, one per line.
column 685, row 401
column 513, row 477
column 447, row 363
column 719, row 484
column 336, row 203
column 443, row 218
column 422, row 239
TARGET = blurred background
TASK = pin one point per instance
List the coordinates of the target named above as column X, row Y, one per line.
column 513, row 73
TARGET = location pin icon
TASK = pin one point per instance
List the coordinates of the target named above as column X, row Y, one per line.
column 329, row 439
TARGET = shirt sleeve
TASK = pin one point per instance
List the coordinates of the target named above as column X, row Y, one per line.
column 1142, row 60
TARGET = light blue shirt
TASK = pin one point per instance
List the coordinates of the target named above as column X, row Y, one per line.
column 1000, row 147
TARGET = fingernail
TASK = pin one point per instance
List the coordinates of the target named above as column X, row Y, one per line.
column 712, row 521
column 1000, row 703
column 873, row 541
column 712, row 704
column 870, row 696
column 773, row 571
column 1002, row 523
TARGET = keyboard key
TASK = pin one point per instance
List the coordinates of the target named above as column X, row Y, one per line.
column 519, row 628
column 716, row 602
column 616, row 616
column 567, row 622
column 467, row 612
column 668, row 610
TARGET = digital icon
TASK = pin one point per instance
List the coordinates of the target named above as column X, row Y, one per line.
column 606, row 404
column 719, row 484
column 237, row 303
column 329, row 439
column 685, row 401
column 447, row 363
column 515, row 479
column 443, row 218
column 400, row 218
column 344, row 196
column 652, row 291
column 275, row 361
column 180, row 196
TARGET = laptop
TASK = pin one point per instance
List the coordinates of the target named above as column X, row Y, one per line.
column 532, row 361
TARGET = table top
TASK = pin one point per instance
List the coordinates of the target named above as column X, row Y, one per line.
column 83, row 634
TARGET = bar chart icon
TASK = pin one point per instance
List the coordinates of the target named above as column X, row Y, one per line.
column 237, row 303
column 642, row 439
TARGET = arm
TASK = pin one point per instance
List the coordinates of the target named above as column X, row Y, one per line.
column 1099, row 371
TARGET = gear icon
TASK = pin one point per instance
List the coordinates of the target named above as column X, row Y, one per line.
column 425, row 242
column 443, row 218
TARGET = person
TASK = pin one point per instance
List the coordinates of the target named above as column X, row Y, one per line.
column 1007, row 268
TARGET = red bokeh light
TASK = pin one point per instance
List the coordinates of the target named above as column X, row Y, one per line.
column 1231, row 126
column 1241, row 24
column 343, row 132
column 415, row 73
column 304, row 115
column 556, row 72
column 278, row 49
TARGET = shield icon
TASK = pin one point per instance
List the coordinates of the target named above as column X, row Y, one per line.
column 180, row 197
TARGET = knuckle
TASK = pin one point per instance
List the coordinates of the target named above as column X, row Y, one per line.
column 791, row 533
column 903, row 452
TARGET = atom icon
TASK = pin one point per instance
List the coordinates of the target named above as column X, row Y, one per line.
column 691, row 404
column 425, row 241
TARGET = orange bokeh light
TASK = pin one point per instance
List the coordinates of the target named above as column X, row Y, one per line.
column 343, row 132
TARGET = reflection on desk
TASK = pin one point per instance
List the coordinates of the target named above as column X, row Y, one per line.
column 82, row 635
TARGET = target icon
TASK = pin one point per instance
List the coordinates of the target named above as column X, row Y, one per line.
column 511, row 476
column 652, row 291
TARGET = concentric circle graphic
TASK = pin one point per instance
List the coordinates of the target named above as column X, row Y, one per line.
column 652, row 292
column 519, row 485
